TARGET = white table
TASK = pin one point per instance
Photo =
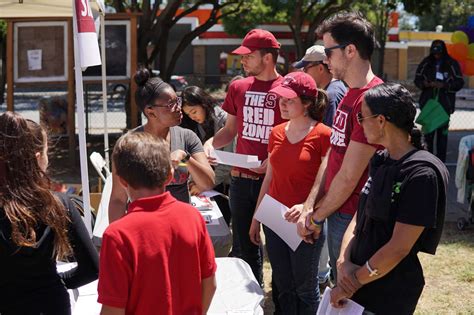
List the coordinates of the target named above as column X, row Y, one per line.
column 219, row 232
column 238, row 292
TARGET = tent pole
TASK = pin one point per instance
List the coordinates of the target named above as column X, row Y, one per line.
column 81, row 126
column 104, row 87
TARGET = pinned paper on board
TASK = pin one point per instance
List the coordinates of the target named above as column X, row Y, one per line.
column 34, row 59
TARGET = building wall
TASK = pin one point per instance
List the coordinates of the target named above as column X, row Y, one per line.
column 415, row 56
column 391, row 63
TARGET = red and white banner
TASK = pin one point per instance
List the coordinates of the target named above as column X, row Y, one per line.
column 86, row 35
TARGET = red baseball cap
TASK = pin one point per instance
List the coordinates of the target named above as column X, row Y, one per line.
column 256, row 39
column 296, row 84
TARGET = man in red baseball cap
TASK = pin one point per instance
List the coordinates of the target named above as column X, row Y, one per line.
column 256, row 39
column 251, row 115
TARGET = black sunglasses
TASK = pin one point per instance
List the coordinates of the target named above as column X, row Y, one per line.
column 328, row 51
column 312, row 64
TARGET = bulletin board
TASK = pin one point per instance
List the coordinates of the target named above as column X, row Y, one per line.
column 41, row 51
column 117, row 52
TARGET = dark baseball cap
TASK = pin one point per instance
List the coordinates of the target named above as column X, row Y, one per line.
column 256, row 39
column 296, row 84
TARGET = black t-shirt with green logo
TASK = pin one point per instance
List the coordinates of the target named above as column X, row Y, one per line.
column 411, row 194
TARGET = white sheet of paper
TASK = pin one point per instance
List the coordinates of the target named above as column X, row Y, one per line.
column 34, row 59
column 271, row 213
column 325, row 307
column 210, row 193
column 439, row 76
column 236, row 159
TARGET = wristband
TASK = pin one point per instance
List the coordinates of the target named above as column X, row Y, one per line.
column 316, row 225
column 372, row 272
column 315, row 222
column 186, row 158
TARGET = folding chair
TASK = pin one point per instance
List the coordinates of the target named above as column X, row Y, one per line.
column 100, row 166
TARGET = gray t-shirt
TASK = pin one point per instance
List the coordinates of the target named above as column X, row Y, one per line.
column 188, row 141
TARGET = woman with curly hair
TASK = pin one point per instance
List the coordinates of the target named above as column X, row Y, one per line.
column 37, row 227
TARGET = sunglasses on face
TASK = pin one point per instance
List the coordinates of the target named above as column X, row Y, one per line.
column 328, row 51
column 172, row 104
column 313, row 64
column 361, row 118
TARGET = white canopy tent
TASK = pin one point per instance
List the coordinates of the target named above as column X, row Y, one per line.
column 35, row 8
column 13, row 9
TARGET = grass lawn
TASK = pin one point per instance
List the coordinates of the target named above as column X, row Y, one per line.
column 449, row 276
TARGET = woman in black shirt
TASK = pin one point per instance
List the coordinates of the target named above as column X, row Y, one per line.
column 401, row 210
column 36, row 227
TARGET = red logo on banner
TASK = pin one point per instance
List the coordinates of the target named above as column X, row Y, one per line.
column 85, row 21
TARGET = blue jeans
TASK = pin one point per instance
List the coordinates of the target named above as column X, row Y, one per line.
column 243, row 195
column 324, row 270
column 295, row 273
column 337, row 225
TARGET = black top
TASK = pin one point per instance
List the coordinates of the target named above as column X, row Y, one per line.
column 29, row 282
column 414, row 194
column 446, row 70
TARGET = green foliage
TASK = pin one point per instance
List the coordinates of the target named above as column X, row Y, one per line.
column 255, row 12
column 259, row 12
column 449, row 13
column 3, row 28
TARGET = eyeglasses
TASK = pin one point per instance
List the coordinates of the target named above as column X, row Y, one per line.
column 328, row 51
column 360, row 118
column 312, row 64
column 172, row 104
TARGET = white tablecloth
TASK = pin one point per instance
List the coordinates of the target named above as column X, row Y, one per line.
column 238, row 292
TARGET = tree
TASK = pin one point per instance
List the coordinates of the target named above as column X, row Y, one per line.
column 297, row 14
column 449, row 13
column 378, row 12
column 156, row 21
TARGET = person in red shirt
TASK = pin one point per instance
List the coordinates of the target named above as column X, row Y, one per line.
column 251, row 115
column 158, row 258
column 303, row 140
column 349, row 42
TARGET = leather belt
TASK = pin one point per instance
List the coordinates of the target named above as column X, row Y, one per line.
column 235, row 173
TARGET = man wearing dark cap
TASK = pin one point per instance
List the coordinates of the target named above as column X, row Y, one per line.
column 251, row 115
column 313, row 64
column 439, row 74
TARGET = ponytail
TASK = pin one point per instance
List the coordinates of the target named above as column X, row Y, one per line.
column 317, row 105
column 417, row 139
